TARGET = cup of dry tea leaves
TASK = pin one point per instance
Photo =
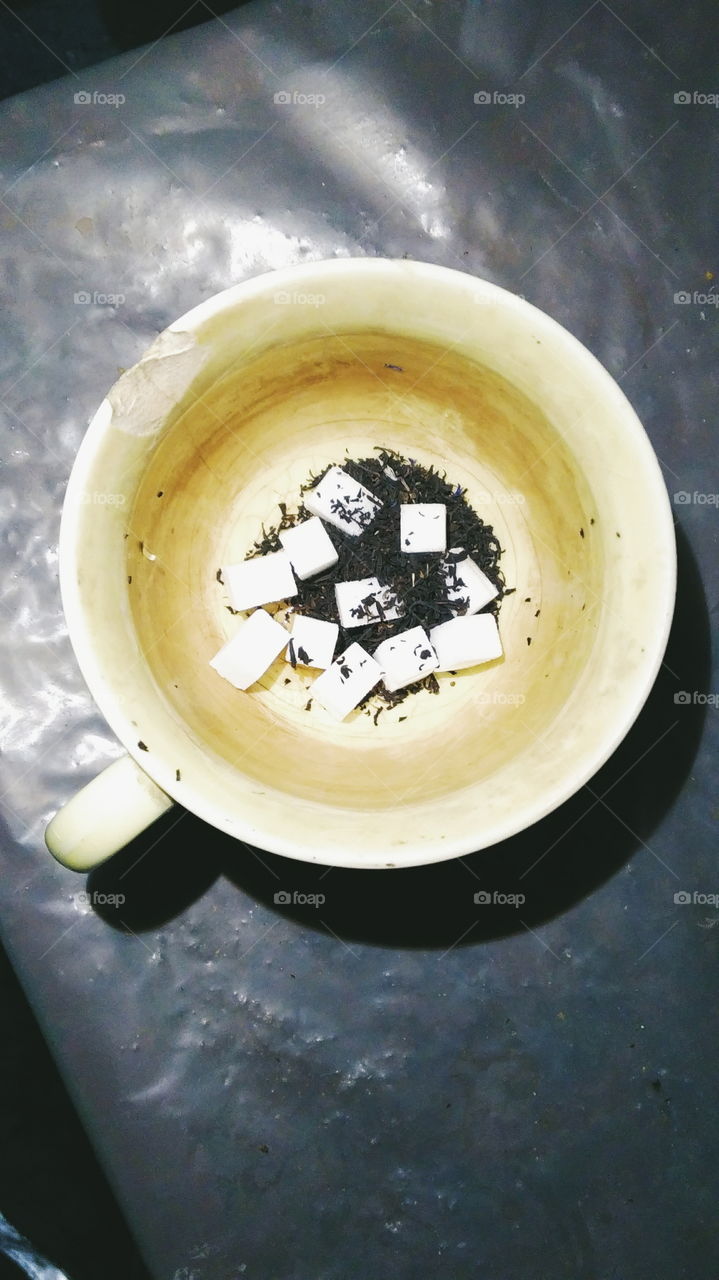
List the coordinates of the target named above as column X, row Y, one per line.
column 388, row 573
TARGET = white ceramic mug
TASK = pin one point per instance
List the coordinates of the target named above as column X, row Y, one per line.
column 224, row 416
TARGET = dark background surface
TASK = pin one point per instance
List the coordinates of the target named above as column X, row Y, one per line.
column 41, row 40
column 408, row 1086
column 52, row 1188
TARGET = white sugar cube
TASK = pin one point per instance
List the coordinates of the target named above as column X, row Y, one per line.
column 251, row 650
column 465, row 582
column 422, row 527
column 363, row 600
column 262, row 580
column 466, row 641
column 405, row 658
column 309, row 548
column 312, row 643
column 343, row 502
column 350, row 678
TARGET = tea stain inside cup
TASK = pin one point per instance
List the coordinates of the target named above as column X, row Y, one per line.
column 250, row 442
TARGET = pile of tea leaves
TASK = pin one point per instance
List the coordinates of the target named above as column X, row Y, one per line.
column 416, row 579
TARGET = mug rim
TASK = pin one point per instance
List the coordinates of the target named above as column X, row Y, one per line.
column 192, row 796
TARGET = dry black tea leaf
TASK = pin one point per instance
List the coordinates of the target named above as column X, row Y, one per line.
column 417, row 581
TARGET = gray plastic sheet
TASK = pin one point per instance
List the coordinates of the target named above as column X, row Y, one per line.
column 399, row 1082
column 14, row 1246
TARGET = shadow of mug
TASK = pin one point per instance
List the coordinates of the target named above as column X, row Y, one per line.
column 524, row 881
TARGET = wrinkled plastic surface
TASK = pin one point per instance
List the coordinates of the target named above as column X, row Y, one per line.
column 29, row 1262
column 397, row 1081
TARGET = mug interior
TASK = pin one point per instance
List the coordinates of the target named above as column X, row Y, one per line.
column 249, row 443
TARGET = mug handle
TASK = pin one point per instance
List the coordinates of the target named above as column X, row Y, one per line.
column 105, row 815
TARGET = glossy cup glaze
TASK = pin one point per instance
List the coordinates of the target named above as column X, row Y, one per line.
column 223, row 418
